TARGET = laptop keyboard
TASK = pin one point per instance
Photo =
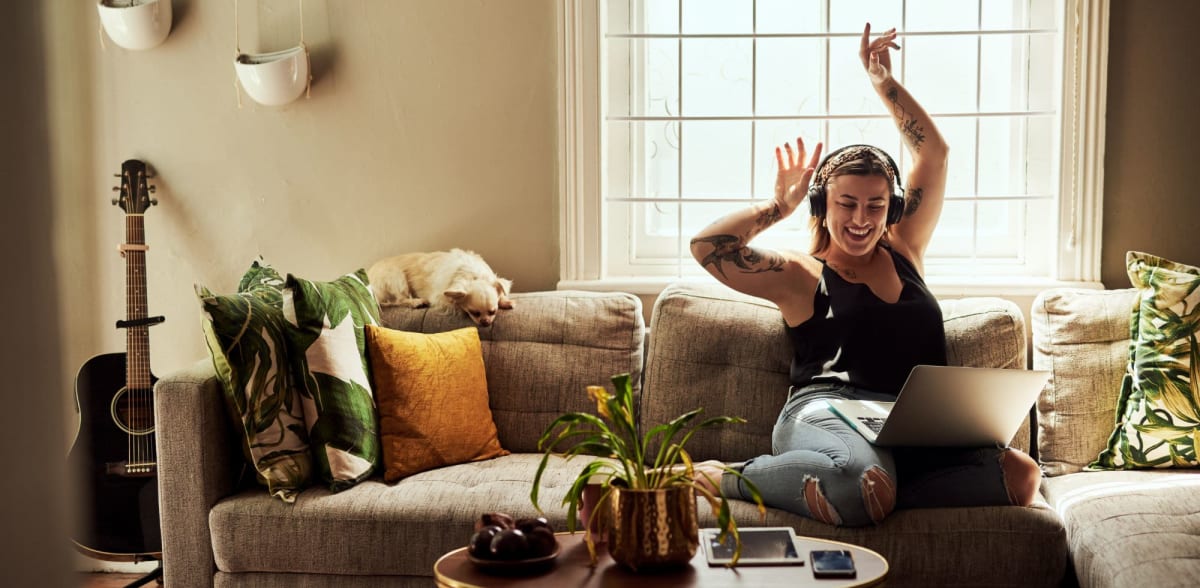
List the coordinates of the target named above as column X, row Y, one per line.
column 873, row 423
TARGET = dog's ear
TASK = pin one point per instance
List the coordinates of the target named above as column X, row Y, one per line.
column 503, row 287
column 455, row 295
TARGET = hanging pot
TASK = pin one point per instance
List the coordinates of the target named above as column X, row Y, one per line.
column 135, row 24
column 651, row 530
column 274, row 78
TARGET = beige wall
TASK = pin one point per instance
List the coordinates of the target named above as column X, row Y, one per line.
column 430, row 125
column 1152, row 173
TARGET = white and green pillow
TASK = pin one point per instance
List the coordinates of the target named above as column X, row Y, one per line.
column 245, row 336
column 328, row 349
column 1158, row 410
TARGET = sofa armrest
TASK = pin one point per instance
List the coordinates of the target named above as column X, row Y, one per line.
column 198, row 464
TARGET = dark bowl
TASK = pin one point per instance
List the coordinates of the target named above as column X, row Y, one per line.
column 516, row 567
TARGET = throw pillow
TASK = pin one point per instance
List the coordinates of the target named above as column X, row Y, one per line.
column 328, row 350
column 245, row 336
column 433, row 400
column 1158, row 410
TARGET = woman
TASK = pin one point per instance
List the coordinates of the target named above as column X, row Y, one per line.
column 860, row 317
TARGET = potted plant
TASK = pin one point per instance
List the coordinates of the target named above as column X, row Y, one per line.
column 638, row 489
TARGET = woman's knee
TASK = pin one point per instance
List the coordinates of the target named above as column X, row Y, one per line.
column 851, row 497
column 1022, row 476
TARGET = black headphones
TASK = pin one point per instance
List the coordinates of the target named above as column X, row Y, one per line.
column 817, row 194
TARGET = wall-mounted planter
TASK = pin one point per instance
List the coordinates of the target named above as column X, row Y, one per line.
column 136, row 24
column 274, row 78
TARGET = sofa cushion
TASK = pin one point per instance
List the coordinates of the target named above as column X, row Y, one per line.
column 541, row 355
column 729, row 353
column 328, row 349
column 431, row 393
column 1158, row 411
column 1082, row 337
column 377, row 528
column 1130, row 528
column 245, row 336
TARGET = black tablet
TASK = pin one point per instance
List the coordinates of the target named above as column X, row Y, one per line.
column 760, row 546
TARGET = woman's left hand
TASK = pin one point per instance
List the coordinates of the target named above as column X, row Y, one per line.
column 875, row 55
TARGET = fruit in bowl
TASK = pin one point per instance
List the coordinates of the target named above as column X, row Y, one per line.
column 501, row 538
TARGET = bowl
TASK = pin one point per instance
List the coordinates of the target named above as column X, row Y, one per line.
column 515, row 567
column 135, row 24
column 273, row 78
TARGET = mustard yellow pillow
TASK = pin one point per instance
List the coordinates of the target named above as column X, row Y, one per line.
column 431, row 393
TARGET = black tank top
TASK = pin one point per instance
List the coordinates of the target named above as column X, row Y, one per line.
column 856, row 338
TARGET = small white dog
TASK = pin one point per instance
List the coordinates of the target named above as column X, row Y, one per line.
column 445, row 280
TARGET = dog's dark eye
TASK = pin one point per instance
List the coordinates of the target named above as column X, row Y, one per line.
column 474, row 313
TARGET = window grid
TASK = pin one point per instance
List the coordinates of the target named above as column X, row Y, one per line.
column 827, row 116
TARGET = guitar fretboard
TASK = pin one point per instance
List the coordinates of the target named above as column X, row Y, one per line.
column 137, row 339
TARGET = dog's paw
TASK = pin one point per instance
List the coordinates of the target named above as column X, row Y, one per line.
column 505, row 303
column 414, row 303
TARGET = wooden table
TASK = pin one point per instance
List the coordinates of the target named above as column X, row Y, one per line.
column 571, row 570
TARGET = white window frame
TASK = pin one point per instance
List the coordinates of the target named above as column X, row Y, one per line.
column 582, row 210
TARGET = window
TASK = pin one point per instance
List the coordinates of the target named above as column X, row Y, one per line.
column 671, row 110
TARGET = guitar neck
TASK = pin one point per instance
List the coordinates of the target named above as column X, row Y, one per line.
column 137, row 338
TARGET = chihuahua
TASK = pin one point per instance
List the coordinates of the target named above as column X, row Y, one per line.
column 445, row 280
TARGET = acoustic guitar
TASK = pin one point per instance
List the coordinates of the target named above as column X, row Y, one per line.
column 113, row 455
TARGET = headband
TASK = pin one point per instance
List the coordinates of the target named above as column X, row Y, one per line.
column 852, row 153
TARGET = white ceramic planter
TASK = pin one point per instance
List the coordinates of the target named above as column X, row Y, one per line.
column 135, row 24
column 274, row 78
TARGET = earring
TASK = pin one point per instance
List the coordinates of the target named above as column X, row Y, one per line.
column 822, row 222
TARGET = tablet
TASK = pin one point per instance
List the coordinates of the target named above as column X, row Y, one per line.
column 760, row 546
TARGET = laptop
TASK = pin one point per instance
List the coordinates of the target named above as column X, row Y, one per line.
column 948, row 406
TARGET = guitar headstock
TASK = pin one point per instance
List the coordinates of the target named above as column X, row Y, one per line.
column 134, row 192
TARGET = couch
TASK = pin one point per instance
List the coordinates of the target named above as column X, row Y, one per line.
column 707, row 346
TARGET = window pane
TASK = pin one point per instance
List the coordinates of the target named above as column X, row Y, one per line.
column 849, row 16
column 643, row 77
column 1004, row 87
column 717, row 77
column 955, row 234
column 789, row 16
column 716, row 159
column 642, row 159
column 850, row 90
column 880, row 132
column 1016, row 156
column 940, row 72
column 1020, row 14
column 941, row 15
column 769, row 134
column 789, row 76
column 960, row 136
column 642, row 16
column 718, row 16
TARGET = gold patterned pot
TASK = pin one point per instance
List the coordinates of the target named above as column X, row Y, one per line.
column 653, row 529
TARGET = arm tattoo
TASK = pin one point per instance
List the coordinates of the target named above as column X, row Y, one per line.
column 912, row 131
column 727, row 248
column 767, row 217
column 912, row 200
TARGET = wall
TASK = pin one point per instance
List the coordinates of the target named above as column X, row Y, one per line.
column 1152, row 182
column 430, row 125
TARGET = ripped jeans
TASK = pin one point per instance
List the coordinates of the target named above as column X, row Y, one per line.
column 822, row 469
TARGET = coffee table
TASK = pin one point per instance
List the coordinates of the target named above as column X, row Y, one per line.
column 571, row 570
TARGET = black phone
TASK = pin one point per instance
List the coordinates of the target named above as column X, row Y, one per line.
column 832, row 563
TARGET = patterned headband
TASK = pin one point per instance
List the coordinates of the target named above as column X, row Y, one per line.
column 854, row 153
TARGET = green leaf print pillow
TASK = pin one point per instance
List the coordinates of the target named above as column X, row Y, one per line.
column 245, row 336
column 1158, row 413
column 328, row 349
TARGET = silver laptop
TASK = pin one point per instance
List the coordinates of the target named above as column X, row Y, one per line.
column 948, row 406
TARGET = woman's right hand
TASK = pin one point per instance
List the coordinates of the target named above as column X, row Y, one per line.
column 796, row 170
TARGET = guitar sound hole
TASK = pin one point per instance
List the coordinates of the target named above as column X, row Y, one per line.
column 134, row 413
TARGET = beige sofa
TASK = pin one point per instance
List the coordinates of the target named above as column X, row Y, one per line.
column 707, row 347
column 1127, row 528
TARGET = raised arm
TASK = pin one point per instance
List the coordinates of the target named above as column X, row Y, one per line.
column 925, row 188
column 723, row 248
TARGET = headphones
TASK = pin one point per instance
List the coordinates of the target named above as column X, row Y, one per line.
column 817, row 193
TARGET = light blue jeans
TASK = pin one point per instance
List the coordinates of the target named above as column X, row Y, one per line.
column 812, row 445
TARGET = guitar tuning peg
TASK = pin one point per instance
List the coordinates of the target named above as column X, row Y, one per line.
column 114, row 201
column 151, row 189
column 116, row 189
column 154, row 201
column 116, row 175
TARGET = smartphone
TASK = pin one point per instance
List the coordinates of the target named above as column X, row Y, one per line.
column 832, row 563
